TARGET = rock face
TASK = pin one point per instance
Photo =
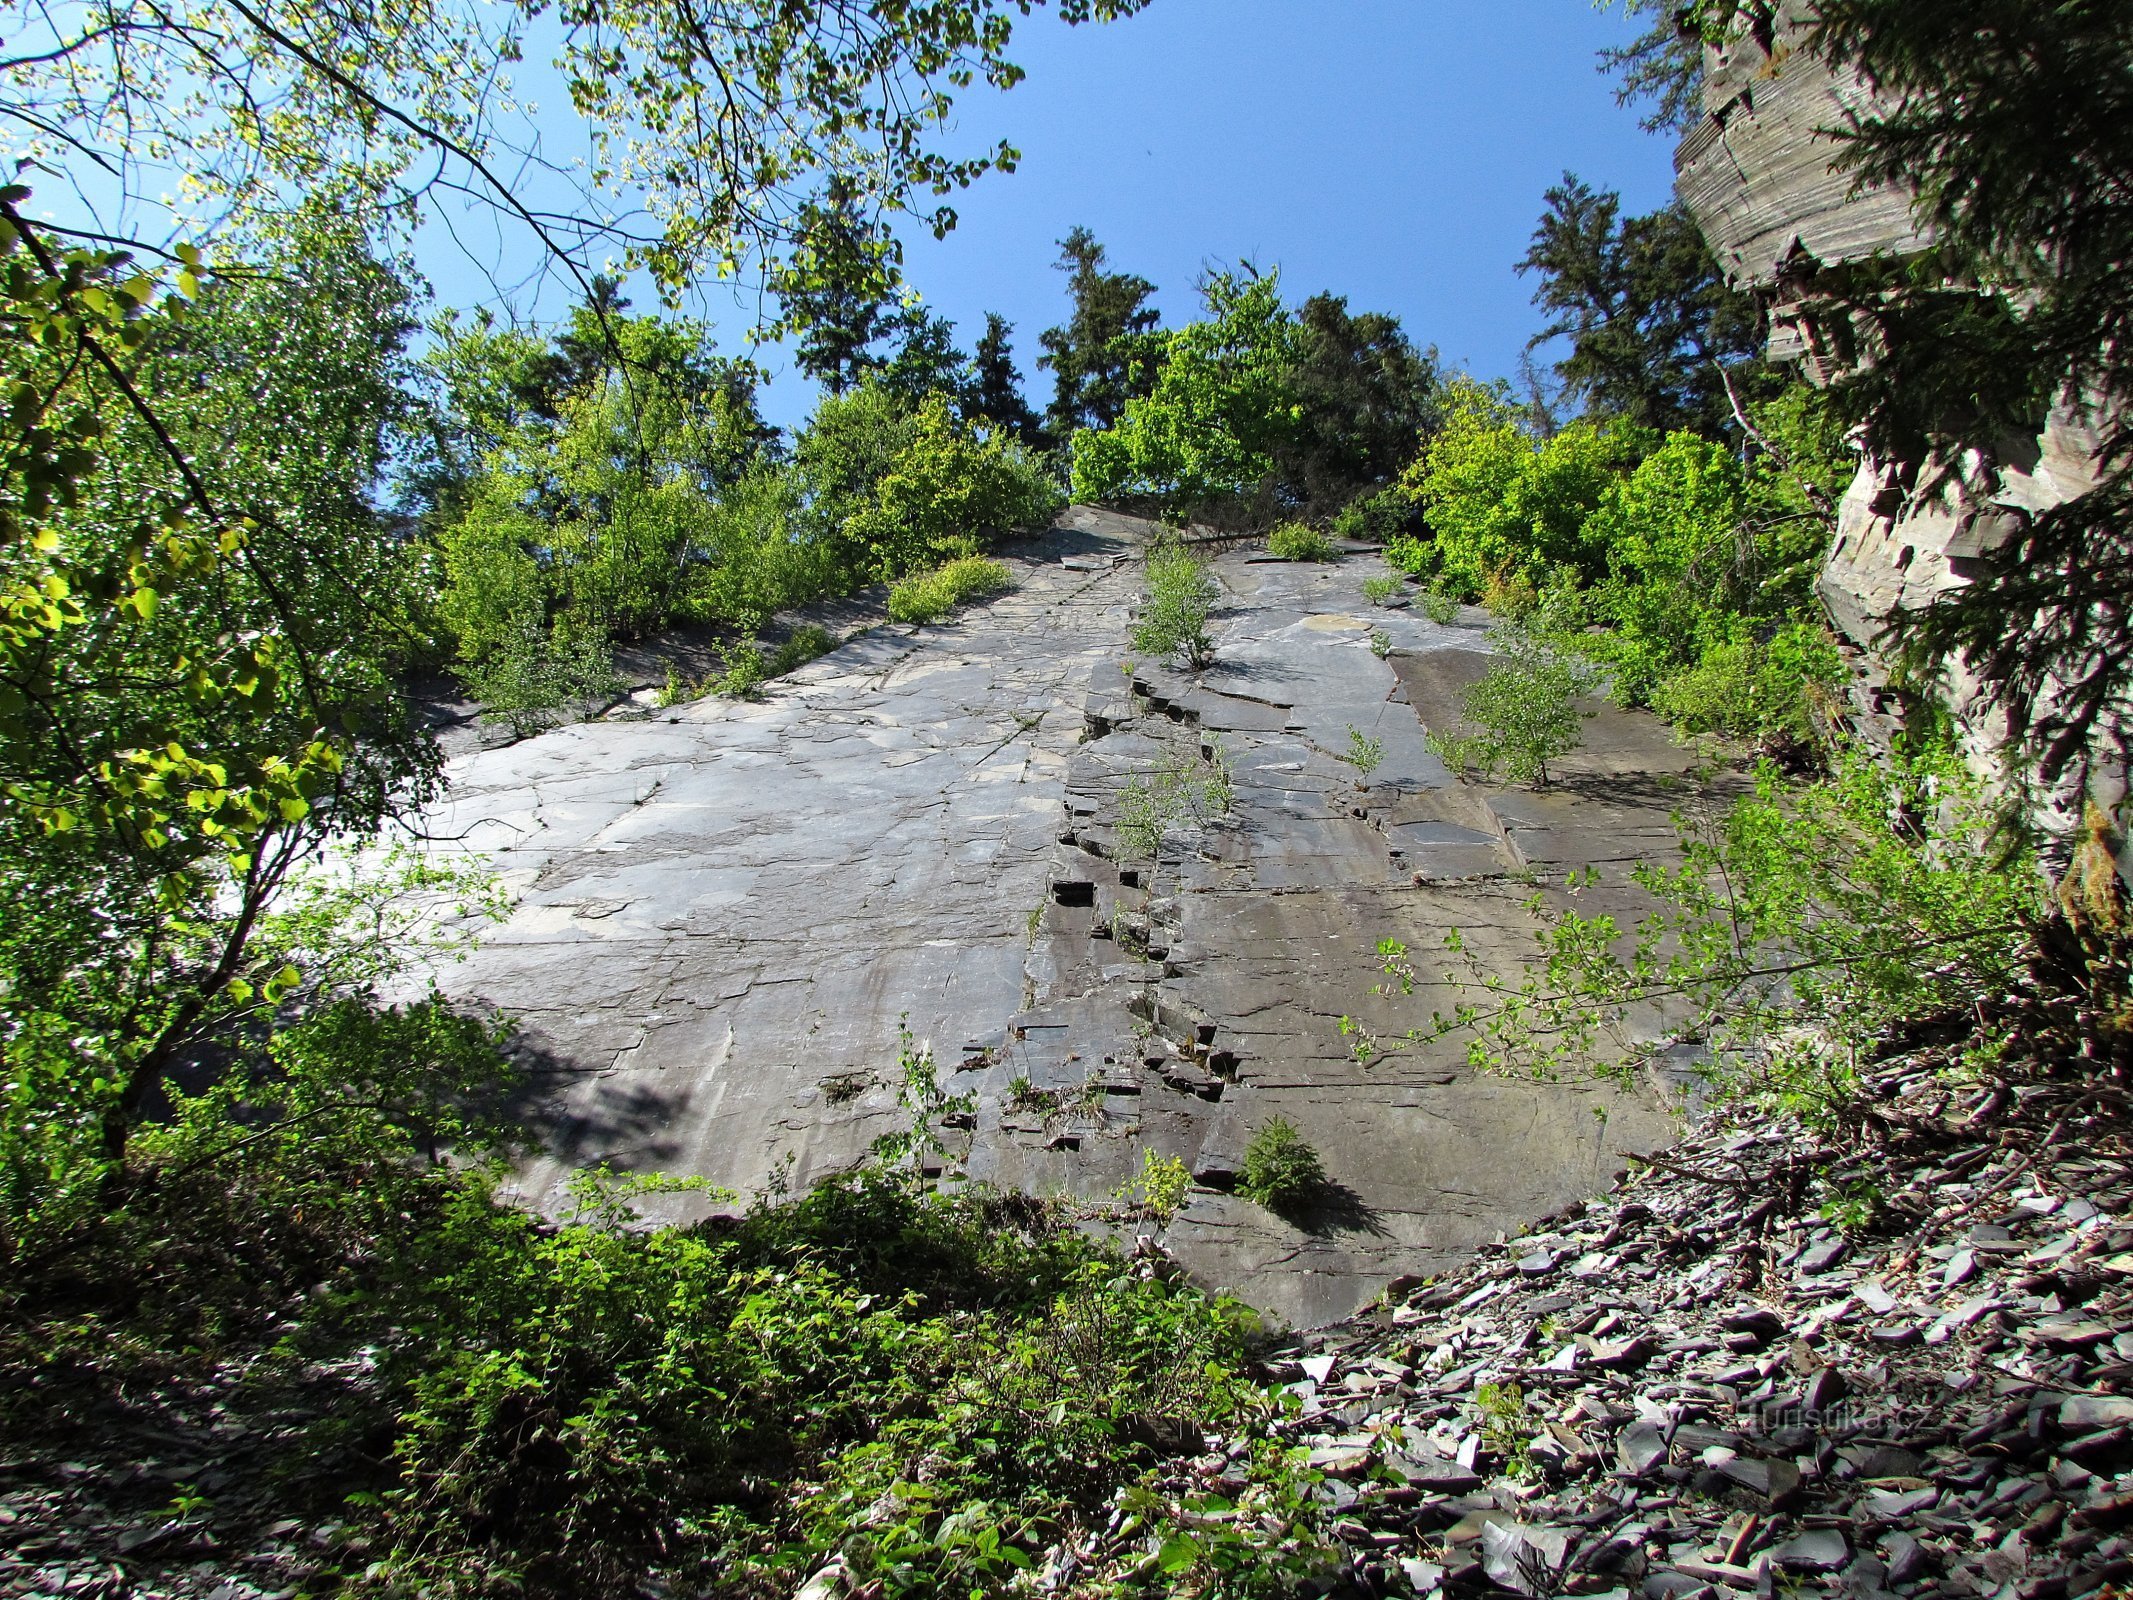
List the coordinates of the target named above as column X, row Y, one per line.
column 1759, row 174
column 730, row 913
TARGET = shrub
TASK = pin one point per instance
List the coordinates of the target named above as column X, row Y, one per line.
column 1379, row 590
column 1526, row 711
column 745, row 671
column 1281, row 1172
column 1365, row 754
column 1380, row 643
column 1295, row 541
column 946, row 491
column 1160, row 1188
column 1383, row 516
column 1154, row 806
column 801, row 646
column 1181, row 591
column 1781, row 692
column 1440, row 605
column 531, row 675
column 933, row 595
column 1804, row 926
column 1502, row 505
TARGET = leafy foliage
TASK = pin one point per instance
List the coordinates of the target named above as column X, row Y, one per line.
column 1257, row 407
column 1524, row 710
column 930, row 596
column 926, row 1387
column 368, row 116
column 1298, row 541
column 1803, row 924
column 1160, row 1189
column 198, row 632
column 945, row 491
column 1181, row 593
column 1281, row 1171
column 1207, row 427
column 1500, row 505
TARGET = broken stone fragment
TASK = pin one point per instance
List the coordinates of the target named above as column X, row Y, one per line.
column 2080, row 1413
column 1525, row 1557
column 1817, row 1550
column 1776, row 1481
column 1890, row 1504
column 1641, row 1447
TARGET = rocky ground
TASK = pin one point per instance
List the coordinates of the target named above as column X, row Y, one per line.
column 1896, row 1365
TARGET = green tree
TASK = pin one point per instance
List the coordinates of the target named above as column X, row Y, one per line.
column 946, row 492
column 925, row 361
column 1662, row 66
column 848, row 446
column 1502, row 505
column 1654, row 331
column 996, row 387
column 1220, row 405
column 2013, row 126
column 839, row 288
column 586, row 527
column 1366, row 401
column 374, row 112
column 1102, row 356
column 201, row 621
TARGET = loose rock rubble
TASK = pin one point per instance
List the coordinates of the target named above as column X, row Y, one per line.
column 1896, row 1365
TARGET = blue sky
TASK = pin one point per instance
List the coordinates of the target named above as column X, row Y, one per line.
column 1393, row 151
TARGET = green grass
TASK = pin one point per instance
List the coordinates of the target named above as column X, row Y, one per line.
column 929, row 596
column 1292, row 541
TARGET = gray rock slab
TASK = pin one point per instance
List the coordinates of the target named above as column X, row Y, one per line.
column 728, row 917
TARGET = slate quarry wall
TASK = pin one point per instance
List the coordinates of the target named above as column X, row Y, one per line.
column 733, row 917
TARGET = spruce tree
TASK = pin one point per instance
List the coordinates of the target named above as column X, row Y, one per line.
column 1103, row 356
column 996, row 387
column 1655, row 331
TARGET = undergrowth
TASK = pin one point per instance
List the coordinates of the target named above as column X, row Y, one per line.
column 461, row 1397
column 930, row 596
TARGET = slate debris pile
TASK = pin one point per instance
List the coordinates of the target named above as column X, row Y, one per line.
column 1896, row 1365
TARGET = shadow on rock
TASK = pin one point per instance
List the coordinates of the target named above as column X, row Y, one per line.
column 627, row 1126
column 1332, row 1208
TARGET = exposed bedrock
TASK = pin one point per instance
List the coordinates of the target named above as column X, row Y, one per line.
column 729, row 912
column 1762, row 175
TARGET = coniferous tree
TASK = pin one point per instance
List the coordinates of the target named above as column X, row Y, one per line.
column 1654, row 329
column 2012, row 123
column 925, row 361
column 1103, row 356
column 1365, row 397
column 839, row 290
column 996, row 387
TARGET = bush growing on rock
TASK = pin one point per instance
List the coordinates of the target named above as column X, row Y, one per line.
column 1181, row 592
column 1379, row 590
column 1805, row 925
column 945, row 491
column 1296, row 541
column 1524, row 710
column 1281, row 1171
